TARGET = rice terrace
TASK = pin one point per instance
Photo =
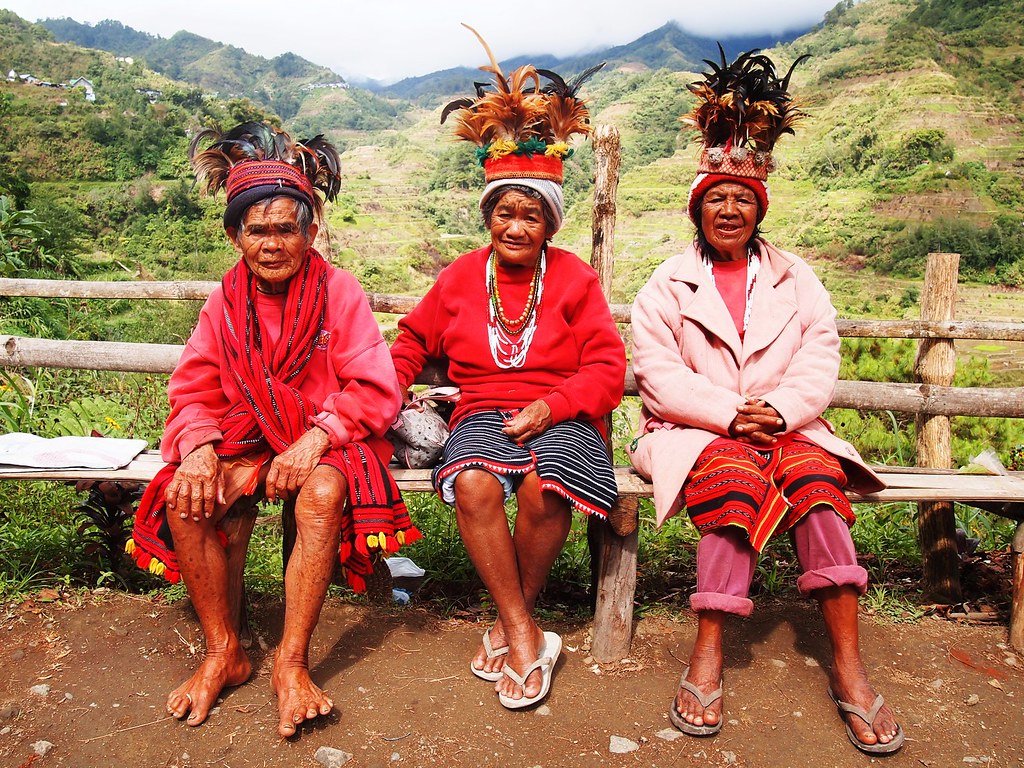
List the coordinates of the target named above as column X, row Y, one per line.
column 904, row 191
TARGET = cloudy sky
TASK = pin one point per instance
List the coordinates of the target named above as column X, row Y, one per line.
column 391, row 39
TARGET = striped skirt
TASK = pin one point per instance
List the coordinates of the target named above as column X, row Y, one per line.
column 570, row 459
column 763, row 491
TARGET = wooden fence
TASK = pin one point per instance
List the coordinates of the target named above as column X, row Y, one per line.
column 931, row 398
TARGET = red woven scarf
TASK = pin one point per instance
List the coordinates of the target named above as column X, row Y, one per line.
column 273, row 412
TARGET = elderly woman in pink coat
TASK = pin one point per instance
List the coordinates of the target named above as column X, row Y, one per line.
column 736, row 356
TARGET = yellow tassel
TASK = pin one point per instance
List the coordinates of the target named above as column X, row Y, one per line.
column 502, row 147
column 371, row 541
column 558, row 149
column 156, row 567
column 400, row 536
column 382, row 540
column 129, row 546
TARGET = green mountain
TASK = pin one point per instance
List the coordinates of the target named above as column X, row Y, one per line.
column 276, row 84
column 915, row 143
column 667, row 47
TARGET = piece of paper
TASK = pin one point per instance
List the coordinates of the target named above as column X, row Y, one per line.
column 20, row 449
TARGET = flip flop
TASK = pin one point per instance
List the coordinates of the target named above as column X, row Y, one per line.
column 546, row 663
column 706, row 700
column 492, row 653
column 868, row 717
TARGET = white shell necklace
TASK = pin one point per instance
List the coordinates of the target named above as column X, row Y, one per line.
column 753, row 266
column 508, row 349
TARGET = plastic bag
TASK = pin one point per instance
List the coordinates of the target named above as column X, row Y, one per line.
column 419, row 433
column 985, row 463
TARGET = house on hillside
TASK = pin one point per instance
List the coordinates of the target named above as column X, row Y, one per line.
column 314, row 86
column 82, row 82
column 12, row 76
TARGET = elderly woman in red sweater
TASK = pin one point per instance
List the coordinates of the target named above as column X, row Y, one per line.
column 530, row 341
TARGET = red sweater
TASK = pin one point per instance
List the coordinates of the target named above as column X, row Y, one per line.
column 576, row 363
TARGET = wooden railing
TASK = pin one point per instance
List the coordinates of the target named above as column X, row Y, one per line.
column 931, row 398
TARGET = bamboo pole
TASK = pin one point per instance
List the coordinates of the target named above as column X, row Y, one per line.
column 612, row 556
column 935, row 365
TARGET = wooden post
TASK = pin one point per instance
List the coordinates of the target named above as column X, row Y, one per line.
column 935, row 365
column 1017, row 610
column 606, row 184
column 612, row 557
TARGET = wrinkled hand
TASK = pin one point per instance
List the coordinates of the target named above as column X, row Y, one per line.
column 197, row 486
column 529, row 422
column 289, row 470
column 756, row 422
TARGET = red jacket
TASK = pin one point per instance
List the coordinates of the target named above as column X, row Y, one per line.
column 350, row 374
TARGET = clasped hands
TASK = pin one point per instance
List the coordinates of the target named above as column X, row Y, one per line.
column 756, row 422
column 198, row 484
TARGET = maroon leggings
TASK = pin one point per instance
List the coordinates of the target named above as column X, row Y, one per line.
column 725, row 562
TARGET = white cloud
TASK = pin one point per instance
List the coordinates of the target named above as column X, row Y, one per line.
column 391, row 39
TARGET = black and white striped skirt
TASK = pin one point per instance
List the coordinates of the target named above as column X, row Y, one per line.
column 570, row 458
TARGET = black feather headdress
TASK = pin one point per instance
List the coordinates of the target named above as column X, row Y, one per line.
column 742, row 110
column 253, row 160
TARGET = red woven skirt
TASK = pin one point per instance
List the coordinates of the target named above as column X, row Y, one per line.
column 762, row 490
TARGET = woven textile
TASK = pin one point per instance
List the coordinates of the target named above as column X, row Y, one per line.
column 274, row 414
column 570, row 459
column 763, row 491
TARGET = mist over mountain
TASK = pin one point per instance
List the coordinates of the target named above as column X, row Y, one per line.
column 668, row 47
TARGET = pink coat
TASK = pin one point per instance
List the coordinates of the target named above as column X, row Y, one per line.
column 693, row 371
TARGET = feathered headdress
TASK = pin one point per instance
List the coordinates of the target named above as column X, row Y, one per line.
column 742, row 109
column 254, row 161
column 518, row 125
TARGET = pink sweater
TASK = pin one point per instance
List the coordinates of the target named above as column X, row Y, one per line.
column 576, row 363
column 350, row 373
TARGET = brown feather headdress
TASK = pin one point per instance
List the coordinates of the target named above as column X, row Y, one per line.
column 518, row 120
column 255, row 160
column 742, row 110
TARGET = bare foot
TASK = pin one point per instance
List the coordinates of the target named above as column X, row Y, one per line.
column 298, row 699
column 705, row 673
column 197, row 695
column 497, row 640
column 850, row 684
column 523, row 645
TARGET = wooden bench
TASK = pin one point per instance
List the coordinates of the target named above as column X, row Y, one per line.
column 614, row 546
column 616, row 580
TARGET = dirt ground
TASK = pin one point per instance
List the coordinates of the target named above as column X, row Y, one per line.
column 406, row 697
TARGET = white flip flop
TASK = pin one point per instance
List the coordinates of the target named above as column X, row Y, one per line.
column 546, row 664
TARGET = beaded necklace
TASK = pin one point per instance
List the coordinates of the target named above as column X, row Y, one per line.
column 753, row 266
column 510, row 340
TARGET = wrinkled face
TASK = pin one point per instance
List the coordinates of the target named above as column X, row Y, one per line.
column 728, row 216
column 271, row 242
column 518, row 229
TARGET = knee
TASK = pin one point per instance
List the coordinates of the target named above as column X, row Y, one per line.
column 321, row 499
column 537, row 506
column 479, row 497
column 476, row 487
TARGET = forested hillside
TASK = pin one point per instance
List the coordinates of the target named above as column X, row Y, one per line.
column 915, row 144
column 276, row 84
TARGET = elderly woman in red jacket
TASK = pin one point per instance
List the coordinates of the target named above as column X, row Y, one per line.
column 530, row 341
column 736, row 356
column 284, row 391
